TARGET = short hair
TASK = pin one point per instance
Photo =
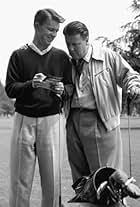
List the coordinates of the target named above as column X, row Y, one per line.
column 46, row 14
column 76, row 27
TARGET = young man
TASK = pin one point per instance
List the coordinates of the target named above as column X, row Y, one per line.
column 93, row 126
column 39, row 78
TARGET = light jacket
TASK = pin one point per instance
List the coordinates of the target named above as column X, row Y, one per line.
column 110, row 73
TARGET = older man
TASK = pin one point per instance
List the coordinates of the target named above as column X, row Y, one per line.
column 93, row 126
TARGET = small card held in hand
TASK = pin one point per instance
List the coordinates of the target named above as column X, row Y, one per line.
column 50, row 81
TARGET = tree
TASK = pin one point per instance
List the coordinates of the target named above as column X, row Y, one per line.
column 128, row 45
column 6, row 104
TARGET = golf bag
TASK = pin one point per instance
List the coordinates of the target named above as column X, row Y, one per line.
column 106, row 186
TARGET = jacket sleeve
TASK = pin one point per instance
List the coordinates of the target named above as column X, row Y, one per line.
column 15, row 86
column 127, row 78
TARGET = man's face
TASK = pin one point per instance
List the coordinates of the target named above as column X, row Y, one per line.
column 47, row 32
column 76, row 45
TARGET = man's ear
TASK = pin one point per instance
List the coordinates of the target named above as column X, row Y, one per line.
column 87, row 40
column 36, row 25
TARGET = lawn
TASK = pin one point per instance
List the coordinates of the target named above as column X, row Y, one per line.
column 67, row 193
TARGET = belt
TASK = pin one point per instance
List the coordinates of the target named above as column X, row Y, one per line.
column 82, row 109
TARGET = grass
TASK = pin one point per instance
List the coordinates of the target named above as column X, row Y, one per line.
column 67, row 192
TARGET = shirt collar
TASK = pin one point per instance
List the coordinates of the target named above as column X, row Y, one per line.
column 37, row 50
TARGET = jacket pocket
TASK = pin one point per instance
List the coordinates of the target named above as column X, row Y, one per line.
column 104, row 77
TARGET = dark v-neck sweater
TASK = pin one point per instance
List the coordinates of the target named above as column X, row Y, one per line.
column 23, row 65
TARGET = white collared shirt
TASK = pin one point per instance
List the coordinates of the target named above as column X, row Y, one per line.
column 37, row 50
column 83, row 96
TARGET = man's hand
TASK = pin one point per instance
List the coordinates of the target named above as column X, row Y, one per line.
column 40, row 80
column 37, row 80
column 134, row 94
column 58, row 88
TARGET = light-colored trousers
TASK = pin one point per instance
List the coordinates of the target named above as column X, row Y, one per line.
column 33, row 138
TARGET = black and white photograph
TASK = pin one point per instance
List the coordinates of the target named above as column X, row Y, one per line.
column 70, row 103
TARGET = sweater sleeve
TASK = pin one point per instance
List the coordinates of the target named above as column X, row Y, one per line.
column 15, row 87
column 68, row 86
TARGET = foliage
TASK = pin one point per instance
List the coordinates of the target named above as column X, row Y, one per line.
column 128, row 45
column 6, row 104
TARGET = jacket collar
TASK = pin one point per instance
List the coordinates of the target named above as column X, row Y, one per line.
column 97, row 53
column 89, row 54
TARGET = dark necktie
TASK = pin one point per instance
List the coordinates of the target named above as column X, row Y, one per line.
column 79, row 65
